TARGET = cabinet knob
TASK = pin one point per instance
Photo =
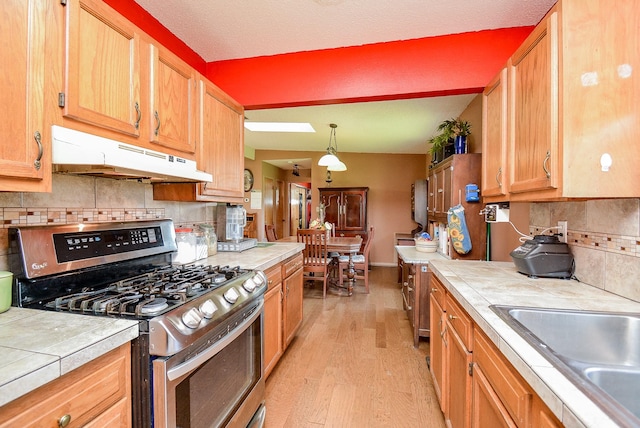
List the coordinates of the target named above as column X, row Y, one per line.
column 64, row 421
column 453, row 317
column 434, row 290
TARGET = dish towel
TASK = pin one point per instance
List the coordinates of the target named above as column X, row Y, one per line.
column 458, row 230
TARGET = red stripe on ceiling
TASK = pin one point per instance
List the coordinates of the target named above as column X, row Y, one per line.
column 433, row 66
column 443, row 65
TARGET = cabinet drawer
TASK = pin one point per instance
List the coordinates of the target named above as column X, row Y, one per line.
column 459, row 321
column 438, row 292
column 508, row 385
column 274, row 276
column 291, row 265
column 83, row 394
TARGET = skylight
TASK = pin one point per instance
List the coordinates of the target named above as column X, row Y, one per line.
column 278, row 127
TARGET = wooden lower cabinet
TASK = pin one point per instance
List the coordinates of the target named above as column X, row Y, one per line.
column 476, row 385
column 437, row 358
column 272, row 322
column 282, row 309
column 292, row 288
column 97, row 394
column 415, row 296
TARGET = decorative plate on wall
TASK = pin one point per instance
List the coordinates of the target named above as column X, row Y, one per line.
column 248, row 180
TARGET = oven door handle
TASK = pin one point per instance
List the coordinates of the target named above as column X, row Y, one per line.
column 195, row 362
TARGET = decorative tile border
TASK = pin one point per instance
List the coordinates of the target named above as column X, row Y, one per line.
column 621, row 244
column 43, row 216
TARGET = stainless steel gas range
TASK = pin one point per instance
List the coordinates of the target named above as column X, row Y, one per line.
column 198, row 359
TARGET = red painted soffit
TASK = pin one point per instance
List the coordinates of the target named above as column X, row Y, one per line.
column 444, row 65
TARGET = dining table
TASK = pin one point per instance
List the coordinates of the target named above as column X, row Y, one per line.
column 343, row 245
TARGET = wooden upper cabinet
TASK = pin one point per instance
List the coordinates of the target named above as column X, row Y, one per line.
column 102, row 69
column 221, row 151
column 533, row 111
column 25, row 153
column 600, row 87
column 173, row 89
column 494, row 139
column 346, row 208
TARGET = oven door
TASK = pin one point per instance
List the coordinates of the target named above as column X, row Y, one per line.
column 219, row 385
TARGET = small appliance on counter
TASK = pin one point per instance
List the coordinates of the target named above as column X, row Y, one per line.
column 231, row 236
column 544, row 256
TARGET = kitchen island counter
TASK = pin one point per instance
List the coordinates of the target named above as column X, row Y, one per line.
column 476, row 285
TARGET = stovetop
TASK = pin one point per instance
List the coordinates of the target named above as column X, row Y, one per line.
column 149, row 294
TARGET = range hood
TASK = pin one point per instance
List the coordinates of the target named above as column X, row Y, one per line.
column 76, row 152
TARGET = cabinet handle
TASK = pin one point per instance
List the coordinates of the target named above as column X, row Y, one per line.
column 498, row 175
column 440, row 190
column 64, row 421
column 137, row 124
column 453, row 317
column 410, row 289
column 544, row 164
column 37, row 164
column 158, row 122
column 434, row 290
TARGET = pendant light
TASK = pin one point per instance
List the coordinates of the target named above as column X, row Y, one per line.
column 330, row 158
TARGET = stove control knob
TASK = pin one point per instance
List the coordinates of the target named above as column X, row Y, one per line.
column 192, row 318
column 231, row 295
column 259, row 278
column 208, row 308
column 249, row 285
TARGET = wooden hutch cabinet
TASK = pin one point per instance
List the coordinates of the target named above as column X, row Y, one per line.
column 346, row 208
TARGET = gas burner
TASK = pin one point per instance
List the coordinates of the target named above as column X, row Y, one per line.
column 152, row 306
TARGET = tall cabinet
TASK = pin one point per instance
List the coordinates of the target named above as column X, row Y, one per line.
column 346, row 208
column 447, row 188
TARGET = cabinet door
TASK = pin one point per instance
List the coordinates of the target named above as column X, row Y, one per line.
column 437, row 349
column 293, row 293
column 494, row 137
column 533, row 111
column 220, row 150
column 24, row 153
column 173, row 87
column 272, row 325
column 332, row 207
column 354, row 210
column 102, row 68
column 458, row 413
column 487, row 409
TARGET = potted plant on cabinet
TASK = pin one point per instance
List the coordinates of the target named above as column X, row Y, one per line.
column 453, row 134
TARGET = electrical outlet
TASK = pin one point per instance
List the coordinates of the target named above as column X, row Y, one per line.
column 497, row 213
column 562, row 231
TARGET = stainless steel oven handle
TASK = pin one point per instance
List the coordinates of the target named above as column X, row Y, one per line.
column 192, row 364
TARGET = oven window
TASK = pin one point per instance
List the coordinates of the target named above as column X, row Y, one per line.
column 210, row 395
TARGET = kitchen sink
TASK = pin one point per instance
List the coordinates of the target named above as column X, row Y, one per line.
column 598, row 351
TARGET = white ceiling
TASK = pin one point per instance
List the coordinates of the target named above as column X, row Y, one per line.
column 231, row 29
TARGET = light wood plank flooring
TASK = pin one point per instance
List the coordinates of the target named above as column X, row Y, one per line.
column 353, row 364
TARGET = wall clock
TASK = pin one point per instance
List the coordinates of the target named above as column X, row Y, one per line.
column 248, row 180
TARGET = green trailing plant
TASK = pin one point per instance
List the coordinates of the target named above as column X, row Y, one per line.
column 449, row 129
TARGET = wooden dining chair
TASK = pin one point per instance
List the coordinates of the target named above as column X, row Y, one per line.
column 270, row 231
column 360, row 263
column 315, row 256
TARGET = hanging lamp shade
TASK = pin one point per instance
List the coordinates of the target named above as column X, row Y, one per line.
column 330, row 158
column 340, row 166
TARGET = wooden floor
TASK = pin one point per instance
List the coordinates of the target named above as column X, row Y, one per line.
column 353, row 364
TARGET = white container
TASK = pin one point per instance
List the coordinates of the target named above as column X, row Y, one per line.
column 425, row 246
column 191, row 246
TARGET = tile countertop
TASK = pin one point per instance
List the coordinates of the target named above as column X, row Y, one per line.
column 38, row 346
column 409, row 254
column 262, row 257
column 476, row 285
